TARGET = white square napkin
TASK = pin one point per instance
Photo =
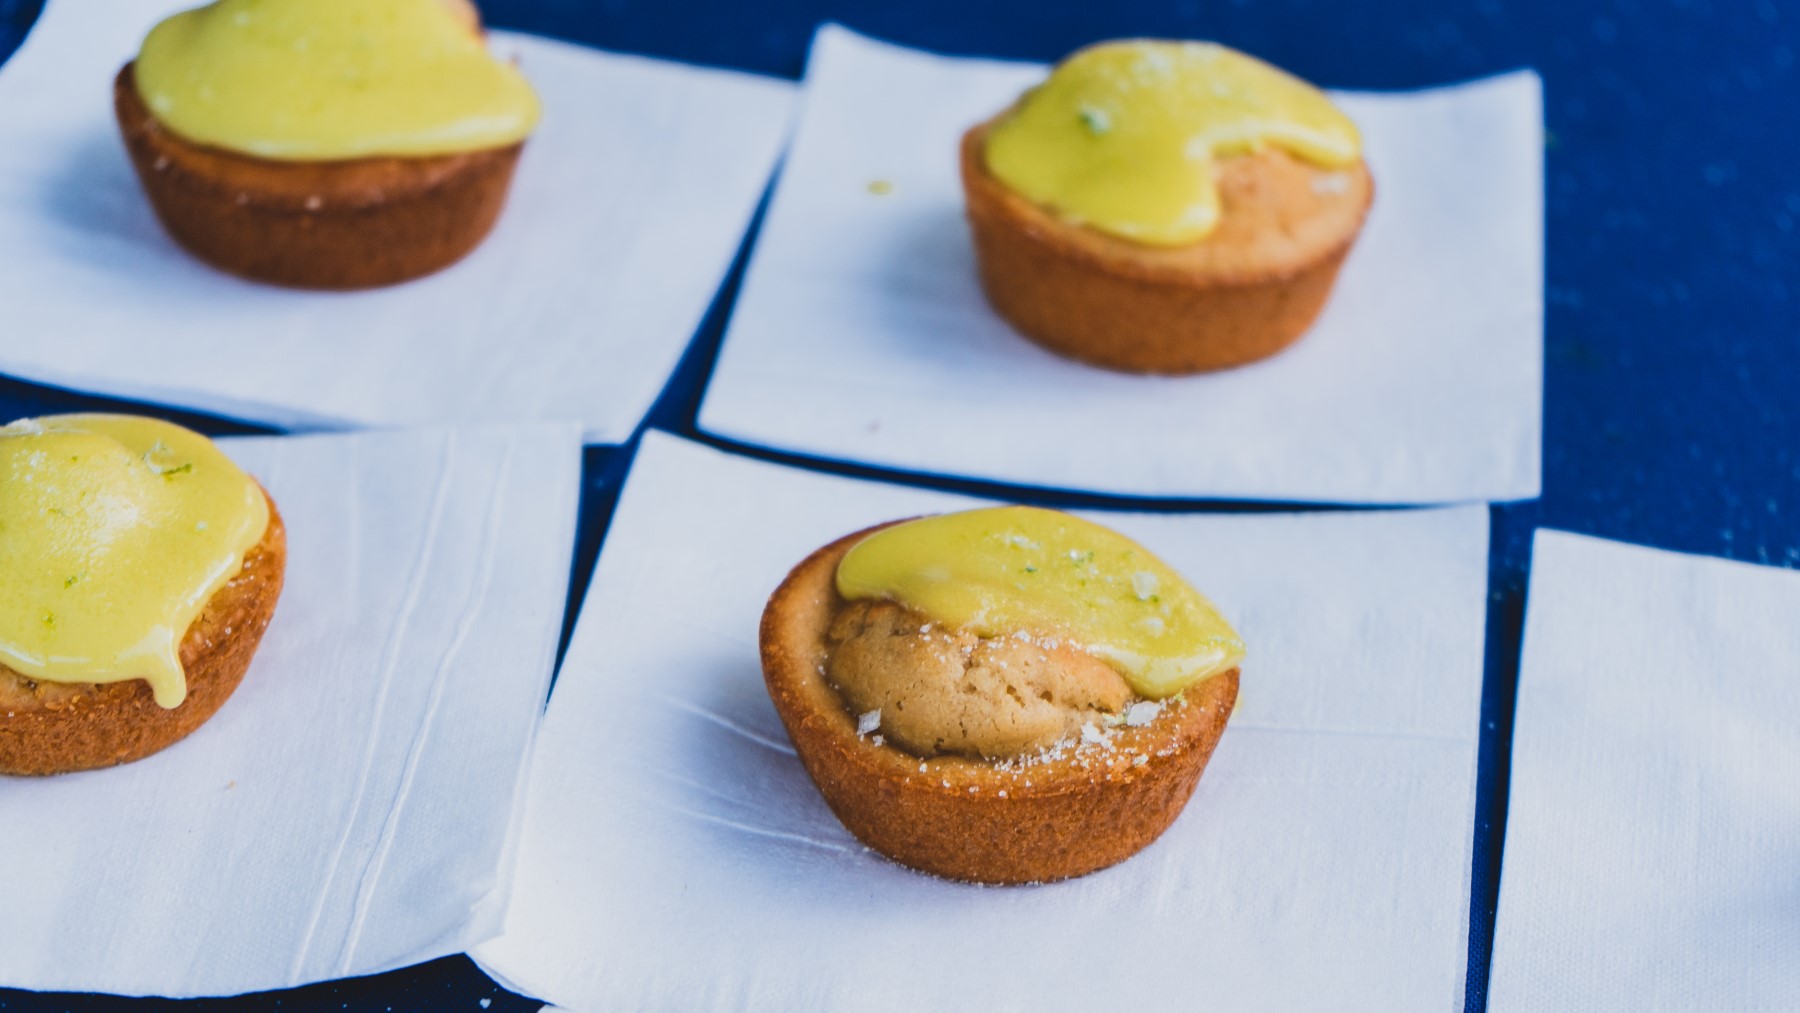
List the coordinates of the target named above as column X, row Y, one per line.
column 1653, row 827
column 349, row 807
column 675, row 855
column 628, row 205
column 862, row 318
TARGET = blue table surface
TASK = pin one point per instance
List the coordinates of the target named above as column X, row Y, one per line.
column 1672, row 345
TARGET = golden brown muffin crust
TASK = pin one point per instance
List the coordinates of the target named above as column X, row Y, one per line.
column 54, row 728
column 1089, row 804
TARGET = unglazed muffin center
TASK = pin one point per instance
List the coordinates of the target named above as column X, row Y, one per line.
column 932, row 690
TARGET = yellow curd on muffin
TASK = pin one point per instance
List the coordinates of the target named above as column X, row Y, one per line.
column 1164, row 207
column 1003, row 695
column 325, row 143
column 138, row 569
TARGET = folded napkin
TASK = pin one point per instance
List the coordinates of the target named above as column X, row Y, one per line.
column 862, row 318
column 348, row 809
column 628, row 205
column 675, row 855
column 1653, row 825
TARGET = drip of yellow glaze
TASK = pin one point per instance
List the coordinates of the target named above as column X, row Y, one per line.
column 1124, row 135
column 114, row 533
column 1003, row 570
column 304, row 80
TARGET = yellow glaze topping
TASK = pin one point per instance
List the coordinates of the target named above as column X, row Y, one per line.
column 114, row 533
column 1123, row 135
column 1004, row 570
column 303, row 80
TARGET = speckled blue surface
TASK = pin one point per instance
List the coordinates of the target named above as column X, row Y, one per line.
column 1673, row 346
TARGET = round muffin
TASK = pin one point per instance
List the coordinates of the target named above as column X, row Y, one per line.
column 1219, row 257
column 56, row 728
column 349, row 224
column 328, row 144
column 1096, row 797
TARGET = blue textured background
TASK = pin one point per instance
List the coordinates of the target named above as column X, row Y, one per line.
column 1673, row 351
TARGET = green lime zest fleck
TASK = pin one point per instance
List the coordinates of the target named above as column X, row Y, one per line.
column 1095, row 119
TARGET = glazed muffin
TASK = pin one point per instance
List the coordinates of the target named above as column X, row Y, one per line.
column 950, row 692
column 1164, row 207
column 139, row 568
column 332, row 144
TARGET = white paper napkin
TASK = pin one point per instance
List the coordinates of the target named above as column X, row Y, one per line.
column 1653, row 826
column 861, row 315
column 347, row 810
column 675, row 855
column 628, row 205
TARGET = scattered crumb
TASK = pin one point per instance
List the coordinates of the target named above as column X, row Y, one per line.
column 1142, row 713
column 869, row 721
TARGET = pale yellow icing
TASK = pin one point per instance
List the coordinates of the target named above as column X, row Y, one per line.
column 1004, row 570
column 1123, row 136
column 333, row 79
column 114, row 533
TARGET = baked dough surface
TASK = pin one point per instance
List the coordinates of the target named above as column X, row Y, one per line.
column 1082, row 805
column 937, row 690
